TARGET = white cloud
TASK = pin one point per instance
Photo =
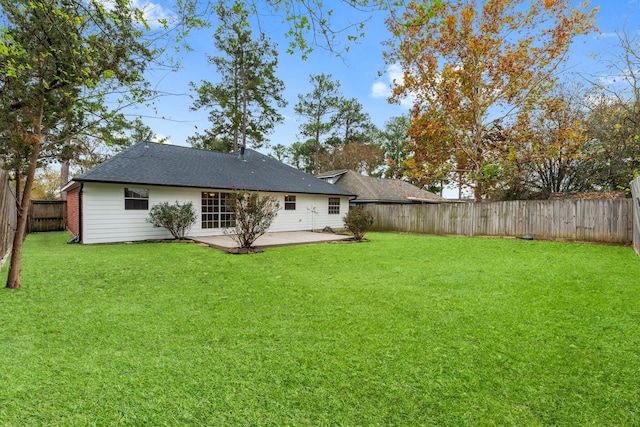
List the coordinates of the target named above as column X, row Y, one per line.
column 608, row 35
column 382, row 89
column 153, row 12
column 396, row 75
column 624, row 77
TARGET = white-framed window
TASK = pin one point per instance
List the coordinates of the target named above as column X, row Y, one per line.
column 289, row 202
column 334, row 205
column 136, row 199
column 216, row 212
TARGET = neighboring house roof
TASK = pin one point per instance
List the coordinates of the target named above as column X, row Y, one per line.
column 148, row 163
column 379, row 190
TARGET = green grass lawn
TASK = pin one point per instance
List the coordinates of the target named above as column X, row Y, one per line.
column 402, row 330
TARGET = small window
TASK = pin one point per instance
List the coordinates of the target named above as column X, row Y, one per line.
column 136, row 199
column 334, row 205
column 289, row 203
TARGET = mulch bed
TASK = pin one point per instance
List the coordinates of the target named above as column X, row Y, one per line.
column 243, row 251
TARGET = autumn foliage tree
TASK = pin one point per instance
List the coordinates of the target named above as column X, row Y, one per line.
column 471, row 66
column 552, row 144
column 359, row 156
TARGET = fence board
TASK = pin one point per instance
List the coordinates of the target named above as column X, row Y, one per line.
column 601, row 220
column 47, row 215
column 635, row 191
column 8, row 216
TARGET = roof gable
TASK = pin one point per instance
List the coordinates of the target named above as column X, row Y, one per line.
column 384, row 190
column 148, row 163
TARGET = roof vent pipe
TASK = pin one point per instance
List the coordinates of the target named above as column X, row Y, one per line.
column 241, row 155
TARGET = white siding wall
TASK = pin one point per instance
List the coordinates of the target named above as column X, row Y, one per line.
column 104, row 219
column 311, row 213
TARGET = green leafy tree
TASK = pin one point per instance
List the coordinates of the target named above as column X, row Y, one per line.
column 253, row 216
column 353, row 143
column 92, row 146
column 177, row 218
column 317, row 24
column 351, row 123
column 320, row 108
column 302, row 155
column 279, row 152
column 394, row 137
column 243, row 107
column 54, row 51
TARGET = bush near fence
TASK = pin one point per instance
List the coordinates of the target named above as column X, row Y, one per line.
column 602, row 220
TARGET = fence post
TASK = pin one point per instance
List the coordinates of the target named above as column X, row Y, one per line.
column 635, row 194
column 8, row 216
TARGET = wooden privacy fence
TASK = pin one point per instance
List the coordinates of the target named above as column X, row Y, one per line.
column 602, row 220
column 47, row 215
column 8, row 215
column 635, row 192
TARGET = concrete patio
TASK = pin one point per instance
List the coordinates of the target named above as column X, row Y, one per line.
column 284, row 238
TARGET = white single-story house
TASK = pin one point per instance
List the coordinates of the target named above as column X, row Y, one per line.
column 111, row 202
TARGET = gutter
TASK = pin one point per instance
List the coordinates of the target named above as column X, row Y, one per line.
column 80, row 213
column 421, row 200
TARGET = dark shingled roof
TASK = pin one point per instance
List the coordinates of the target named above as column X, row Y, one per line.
column 370, row 189
column 147, row 163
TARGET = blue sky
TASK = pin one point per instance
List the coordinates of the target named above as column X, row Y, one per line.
column 358, row 72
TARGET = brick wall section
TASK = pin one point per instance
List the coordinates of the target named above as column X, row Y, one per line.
column 73, row 210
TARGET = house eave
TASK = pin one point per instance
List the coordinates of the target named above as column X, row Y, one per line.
column 70, row 185
column 421, row 200
column 231, row 188
column 407, row 201
column 383, row 201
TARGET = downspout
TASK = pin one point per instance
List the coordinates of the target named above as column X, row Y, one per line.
column 80, row 216
column 78, row 237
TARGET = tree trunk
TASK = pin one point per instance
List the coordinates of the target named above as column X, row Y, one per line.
column 316, row 157
column 477, row 192
column 64, row 178
column 18, row 179
column 244, row 101
column 64, row 169
column 13, row 278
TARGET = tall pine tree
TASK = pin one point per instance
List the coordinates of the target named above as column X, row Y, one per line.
column 243, row 106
